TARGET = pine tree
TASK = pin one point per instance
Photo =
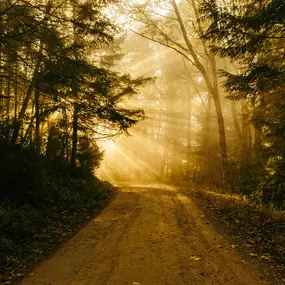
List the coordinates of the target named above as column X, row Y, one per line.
column 51, row 64
column 252, row 34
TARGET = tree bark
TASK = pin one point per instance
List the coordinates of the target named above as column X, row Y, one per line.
column 257, row 141
column 37, row 114
column 74, row 135
column 1, row 82
column 189, row 138
column 245, row 151
column 8, row 95
column 212, row 86
column 235, row 120
column 16, row 94
column 207, row 130
column 27, row 98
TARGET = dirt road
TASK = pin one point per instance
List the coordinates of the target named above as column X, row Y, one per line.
column 148, row 236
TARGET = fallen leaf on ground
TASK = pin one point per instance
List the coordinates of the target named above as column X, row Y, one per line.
column 195, row 258
column 253, row 254
column 233, row 246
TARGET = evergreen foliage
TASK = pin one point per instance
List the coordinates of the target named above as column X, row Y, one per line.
column 59, row 93
column 252, row 34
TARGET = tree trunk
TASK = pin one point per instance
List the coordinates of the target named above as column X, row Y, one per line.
column 257, row 141
column 37, row 114
column 222, row 138
column 31, row 134
column 212, row 85
column 8, row 94
column 74, row 135
column 189, row 138
column 28, row 130
column 16, row 94
column 207, row 130
column 26, row 99
column 250, row 143
column 245, row 151
column 64, row 146
column 1, row 82
column 235, row 120
column 259, row 112
column 8, row 101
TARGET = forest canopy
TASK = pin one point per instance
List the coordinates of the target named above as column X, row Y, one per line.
column 57, row 81
column 213, row 114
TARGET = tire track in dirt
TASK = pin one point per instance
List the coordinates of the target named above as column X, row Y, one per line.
column 151, row 236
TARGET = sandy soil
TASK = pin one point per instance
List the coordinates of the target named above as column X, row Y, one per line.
column 150, row 236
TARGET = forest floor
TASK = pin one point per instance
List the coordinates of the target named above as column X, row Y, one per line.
column 150, row 235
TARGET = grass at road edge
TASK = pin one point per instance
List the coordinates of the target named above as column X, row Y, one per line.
column 29, row 234
column 259, row 233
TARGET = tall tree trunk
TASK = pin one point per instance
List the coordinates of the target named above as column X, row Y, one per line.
column 31, row 134
column 75, row 94
column 245, row 152
column 222, row 138
column 189, row 130
column 16, row 94
column 259, row 112
column 27, row 98
column 1, row 82
column 214, row 89
column 8, row 101
column 235, row 120
column 38, row 121
column 212, row 85
column 250, row 143
column 27, row 133
column 64, row 148
column 257, row 141
column 74, row 135
column 206, row 136
column 8, row 94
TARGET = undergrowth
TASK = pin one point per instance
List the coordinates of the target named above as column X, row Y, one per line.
column 41, row 203
column 260, row 231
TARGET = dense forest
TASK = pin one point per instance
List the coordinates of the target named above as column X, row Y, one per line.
column 214, row 113
column 167, row 91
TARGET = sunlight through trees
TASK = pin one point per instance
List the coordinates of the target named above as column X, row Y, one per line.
column 77, row 75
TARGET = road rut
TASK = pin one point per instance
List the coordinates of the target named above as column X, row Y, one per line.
column 150, row 236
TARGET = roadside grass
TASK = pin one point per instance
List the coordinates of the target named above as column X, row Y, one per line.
column 257, row 230
column 28, row 234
